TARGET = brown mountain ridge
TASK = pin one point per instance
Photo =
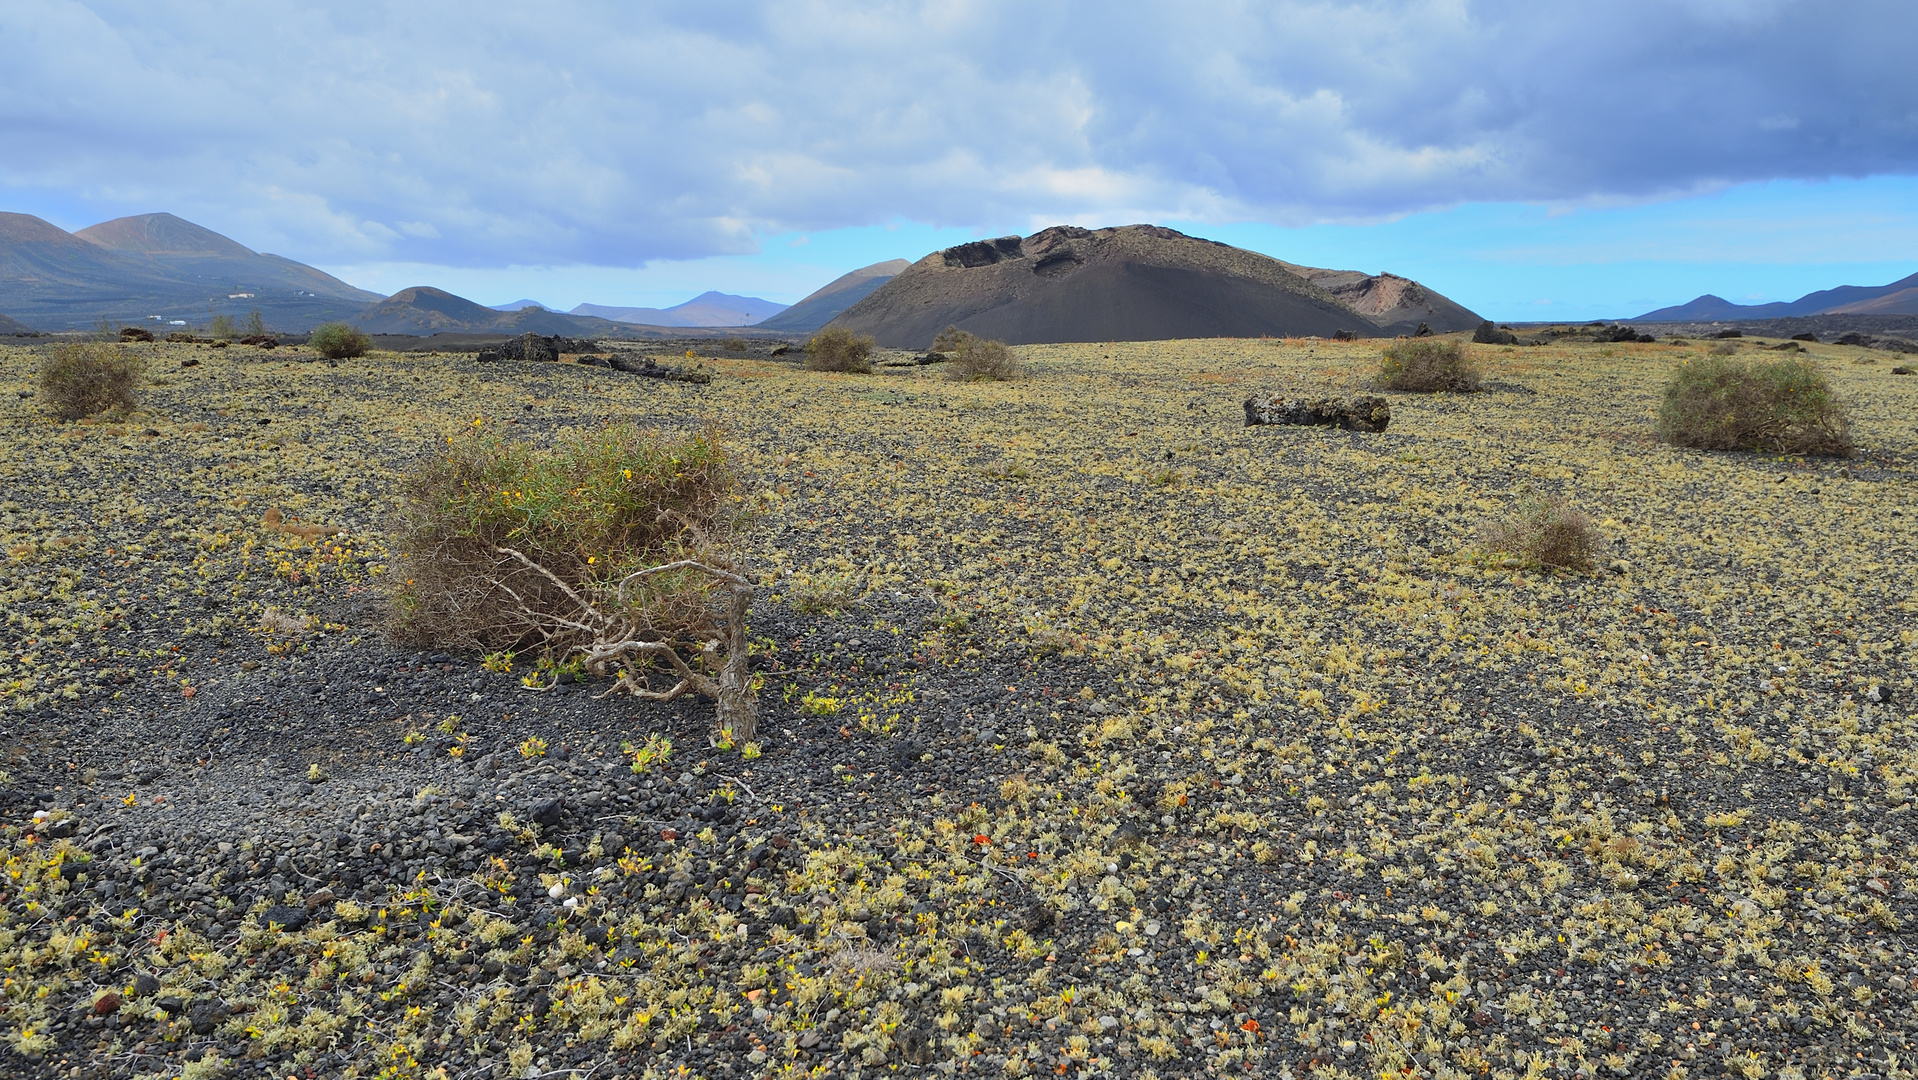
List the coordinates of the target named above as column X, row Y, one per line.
column 1136, row 283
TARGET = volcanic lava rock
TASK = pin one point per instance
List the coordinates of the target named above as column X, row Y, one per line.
column 135, row 333
column 653, row 369
column 1489, row 334
column 1368, row 413
column 285, row 916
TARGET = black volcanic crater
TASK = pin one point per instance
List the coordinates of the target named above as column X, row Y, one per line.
column 1135, row 283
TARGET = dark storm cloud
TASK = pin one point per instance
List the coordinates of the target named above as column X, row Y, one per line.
column 483, row 133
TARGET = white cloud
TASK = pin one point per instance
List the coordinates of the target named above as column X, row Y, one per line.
column 606, row 133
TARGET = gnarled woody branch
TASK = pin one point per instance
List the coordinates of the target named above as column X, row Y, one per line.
column 617, row 641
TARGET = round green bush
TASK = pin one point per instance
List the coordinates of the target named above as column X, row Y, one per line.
column 1428, row 365
column 834, row 349
column 338, row 341
column 1724, row 403
column 79, row 379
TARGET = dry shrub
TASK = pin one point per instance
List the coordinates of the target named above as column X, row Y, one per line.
column 974, row 357
column 1785, row 405
column 836, row 349
column 78, row 379
column 338, row 341
column 599, row 506
column 1544, row 531
column 1428, row 365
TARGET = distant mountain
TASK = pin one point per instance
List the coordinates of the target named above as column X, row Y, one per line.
column 423, row 310
column 133, row 269
column 1136, row 283
column 825, row 304
column 706, row 309
column 518, row 304
column 12, row 328
column 1898, row 298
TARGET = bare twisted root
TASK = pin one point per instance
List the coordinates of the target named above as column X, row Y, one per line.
column 619, row 640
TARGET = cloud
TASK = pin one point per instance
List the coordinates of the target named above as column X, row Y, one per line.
column 487, row 133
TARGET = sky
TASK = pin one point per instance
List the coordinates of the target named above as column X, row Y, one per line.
column 1531, row 160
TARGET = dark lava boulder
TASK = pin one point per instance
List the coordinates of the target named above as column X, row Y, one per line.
column 1367, row 413
column 1488, row 334
column 135, row 333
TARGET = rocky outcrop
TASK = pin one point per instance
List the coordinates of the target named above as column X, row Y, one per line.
column 537, row 348
column 1488, row 334
column 1368, row 413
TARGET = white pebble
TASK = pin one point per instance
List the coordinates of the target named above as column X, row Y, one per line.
column 571, row 903
column 558, row 890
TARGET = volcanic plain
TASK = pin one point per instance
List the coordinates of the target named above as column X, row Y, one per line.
column 1100, row 735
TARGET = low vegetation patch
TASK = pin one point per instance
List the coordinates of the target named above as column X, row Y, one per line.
column 80, row 379
column 1427, row 365
column 598, row 506
column 976, row 358
column 338, row 341
column 833, row 349
column 1785, row 405
column 1544, row 530
column 603, row 552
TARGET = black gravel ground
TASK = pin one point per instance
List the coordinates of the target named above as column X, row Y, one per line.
column 1100, row 737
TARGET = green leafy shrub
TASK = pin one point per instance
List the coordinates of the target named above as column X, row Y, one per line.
column 1428, row 365
column 598, row 506
column 78, row 379
column 1544, row 531
column 1784, row 405
column 834, row 349
column 338, row 341
column 974, row 357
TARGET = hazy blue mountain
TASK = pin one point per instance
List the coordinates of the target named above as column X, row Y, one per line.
column 826, row 303
column 1898, row 298
column 706, row 309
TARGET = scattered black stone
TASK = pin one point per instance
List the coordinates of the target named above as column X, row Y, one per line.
column 285, row 916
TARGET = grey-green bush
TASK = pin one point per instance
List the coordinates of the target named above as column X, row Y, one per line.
column 834, row 349
column 974, row 357
column 1724, row 403
column 78, row 379
column 338, row 341
column 1428, row 365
